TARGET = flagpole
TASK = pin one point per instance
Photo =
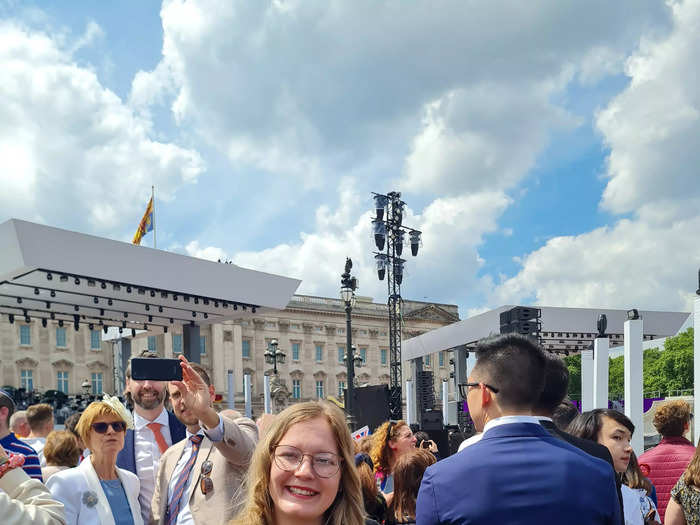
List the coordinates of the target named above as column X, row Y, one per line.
column 153, row 219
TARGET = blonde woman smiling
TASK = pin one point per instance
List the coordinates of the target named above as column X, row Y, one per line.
column 303, row 471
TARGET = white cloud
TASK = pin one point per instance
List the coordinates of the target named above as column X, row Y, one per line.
column 444, row 269
column 313, row 89
column 210, row 253
column 482, row 137
column 652, row 129
column 73, row 153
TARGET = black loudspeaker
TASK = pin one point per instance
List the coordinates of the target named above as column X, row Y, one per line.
column 190, row 343
column 441, row 440
column 371, row 406
column 431, row 420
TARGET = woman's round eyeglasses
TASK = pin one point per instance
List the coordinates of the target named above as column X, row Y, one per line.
column 289, row 459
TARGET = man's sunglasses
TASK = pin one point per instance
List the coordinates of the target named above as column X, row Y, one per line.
column 464, row 388
column 101, row 428
column 205, row 483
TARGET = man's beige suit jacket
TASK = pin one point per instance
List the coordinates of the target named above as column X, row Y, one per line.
column 230, row 458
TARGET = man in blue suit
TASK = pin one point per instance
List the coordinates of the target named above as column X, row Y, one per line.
column 518, row 474
column 155, row 429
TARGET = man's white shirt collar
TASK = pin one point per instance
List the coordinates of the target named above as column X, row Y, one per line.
column 140, row 422
column 507, row 420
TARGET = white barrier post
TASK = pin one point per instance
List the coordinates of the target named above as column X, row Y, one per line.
column 410, row 403
column 601, row 364
column 634, row 400
column 696, row 364
column 268, row 408
column 445, row 409
column 247, row 393
column 231, row 391
column 587, row 399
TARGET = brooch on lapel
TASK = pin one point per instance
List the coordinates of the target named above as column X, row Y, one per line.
column 89, row 498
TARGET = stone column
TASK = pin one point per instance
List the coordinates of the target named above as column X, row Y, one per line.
column 168, row 345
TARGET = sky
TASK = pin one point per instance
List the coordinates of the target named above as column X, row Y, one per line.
column 548, row 150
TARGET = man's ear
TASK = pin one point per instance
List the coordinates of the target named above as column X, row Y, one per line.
column 486, row 398
column 4, row 415
column 212, row 393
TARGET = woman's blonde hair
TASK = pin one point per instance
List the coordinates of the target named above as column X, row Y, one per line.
column 381, row 453
column 346, row 509
column 90, row 414
column 691, row 476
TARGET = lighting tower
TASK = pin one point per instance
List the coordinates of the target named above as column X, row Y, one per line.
column 389, row 236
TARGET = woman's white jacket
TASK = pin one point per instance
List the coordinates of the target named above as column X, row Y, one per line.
column 84, row 500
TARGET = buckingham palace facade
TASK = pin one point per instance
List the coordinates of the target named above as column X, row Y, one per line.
column 310, row 331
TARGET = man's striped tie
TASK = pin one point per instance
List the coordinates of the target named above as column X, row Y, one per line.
column 174, row 503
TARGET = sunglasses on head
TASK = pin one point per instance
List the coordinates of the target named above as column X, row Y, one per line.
column 101, row 428
column 388, row 431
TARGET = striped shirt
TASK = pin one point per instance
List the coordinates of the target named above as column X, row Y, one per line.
column 31, row 461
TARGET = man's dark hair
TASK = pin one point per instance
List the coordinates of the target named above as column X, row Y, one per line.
column 71, row 422
column 589, row 424
column 564, row 414
column 201, row 372
column 514, row 365
column 556, row 385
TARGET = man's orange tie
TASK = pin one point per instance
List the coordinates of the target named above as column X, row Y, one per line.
column 155, row 428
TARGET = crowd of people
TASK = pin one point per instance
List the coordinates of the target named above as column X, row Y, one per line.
column 174, row 459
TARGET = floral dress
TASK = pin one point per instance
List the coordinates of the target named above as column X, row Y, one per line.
column 689, row 500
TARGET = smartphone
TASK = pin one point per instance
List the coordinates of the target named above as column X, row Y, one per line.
column 156, row 369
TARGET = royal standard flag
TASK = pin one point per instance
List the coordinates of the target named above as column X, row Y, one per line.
column 146, row 224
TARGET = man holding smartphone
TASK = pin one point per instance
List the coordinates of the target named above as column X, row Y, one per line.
column 155, row 429
column 200, row 478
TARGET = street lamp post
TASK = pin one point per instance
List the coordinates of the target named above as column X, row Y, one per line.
column 274, row 355
column 348, row 285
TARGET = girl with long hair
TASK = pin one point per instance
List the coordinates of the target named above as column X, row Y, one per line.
column 408, row 474
column 303, row 471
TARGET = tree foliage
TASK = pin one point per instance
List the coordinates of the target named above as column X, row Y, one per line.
column 665, row 372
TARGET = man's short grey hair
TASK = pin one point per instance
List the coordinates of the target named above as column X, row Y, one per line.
column 16, row 418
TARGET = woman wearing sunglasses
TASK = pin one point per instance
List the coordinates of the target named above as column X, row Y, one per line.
column 97, row 491
column 303, row 471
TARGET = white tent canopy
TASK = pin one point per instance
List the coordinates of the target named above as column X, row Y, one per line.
column 50, row 273
column 554, row 319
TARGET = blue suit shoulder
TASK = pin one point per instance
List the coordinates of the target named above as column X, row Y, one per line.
column 518, row 473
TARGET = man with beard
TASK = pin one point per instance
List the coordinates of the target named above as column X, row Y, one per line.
column 200, row 479
column 155, row 429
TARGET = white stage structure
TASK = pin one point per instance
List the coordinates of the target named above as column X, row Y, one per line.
column 601, row 365
column 696, row 361
column 634, row 384
column 50, row 275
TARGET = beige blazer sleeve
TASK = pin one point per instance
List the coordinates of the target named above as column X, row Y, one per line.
column 240, row 438
column 27, row 500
